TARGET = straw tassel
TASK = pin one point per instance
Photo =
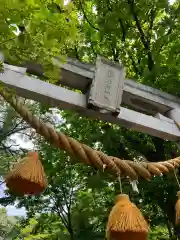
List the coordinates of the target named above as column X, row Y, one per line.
column 177, row 208
column 28, row 177
column 126, row 222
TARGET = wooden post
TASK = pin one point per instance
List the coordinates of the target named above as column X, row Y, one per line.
column 174, row 114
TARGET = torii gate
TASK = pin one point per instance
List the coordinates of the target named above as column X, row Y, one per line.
column 103, row 88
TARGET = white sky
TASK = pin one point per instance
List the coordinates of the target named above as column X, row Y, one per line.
column 66, row 2
column 172, row 1
column 11, row 209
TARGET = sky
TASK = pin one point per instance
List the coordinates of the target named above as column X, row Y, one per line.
column 12, row 210
column 172, row 1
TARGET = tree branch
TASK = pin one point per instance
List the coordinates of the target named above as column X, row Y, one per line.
column 142, row 35
column 63, row 219
column 138, row 25
column 151, row 23
column 66, row 220
column 93, row 50
column 115, row 54
column 123, row 39
column 85, row 16
column 76, row 52
column 65, row 199
column 138, row 72
column 60, row 213
column 171, row 24
column 123, row 30
column 8, row 40
column 12, row 131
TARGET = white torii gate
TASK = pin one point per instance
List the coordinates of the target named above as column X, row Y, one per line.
column 103, row 89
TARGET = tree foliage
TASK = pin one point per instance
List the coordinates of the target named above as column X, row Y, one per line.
column 7, row 225
column 36, row 31
column 143, row 35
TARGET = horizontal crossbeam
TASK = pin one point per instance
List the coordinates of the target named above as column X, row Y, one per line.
column 46, row 93
column 77, row 75
column 136, row 95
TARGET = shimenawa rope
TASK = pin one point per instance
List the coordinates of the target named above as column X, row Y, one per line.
column 85, row 153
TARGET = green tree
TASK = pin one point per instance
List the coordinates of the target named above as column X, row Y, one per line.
column 7, row 225
column 26, row 233
column 143, row 36
column 36, row 31
column 78, row 199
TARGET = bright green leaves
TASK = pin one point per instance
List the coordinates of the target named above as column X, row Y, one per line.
column 48, row 28
column 28, row 232
column 140, row 34
column 7, row 225
column 78, row 198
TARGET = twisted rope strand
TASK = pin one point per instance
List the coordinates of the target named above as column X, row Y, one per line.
column 86, row 154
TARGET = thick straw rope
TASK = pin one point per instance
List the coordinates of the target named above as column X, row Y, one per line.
column 86, row 154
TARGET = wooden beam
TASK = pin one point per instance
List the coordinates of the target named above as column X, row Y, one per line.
column 136, row 95
column 46, row 93
column 77, row 75
column 175, row 115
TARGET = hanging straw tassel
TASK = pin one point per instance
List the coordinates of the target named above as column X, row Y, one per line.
column 177, row 208
column 28, row 177
column 126, row 222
